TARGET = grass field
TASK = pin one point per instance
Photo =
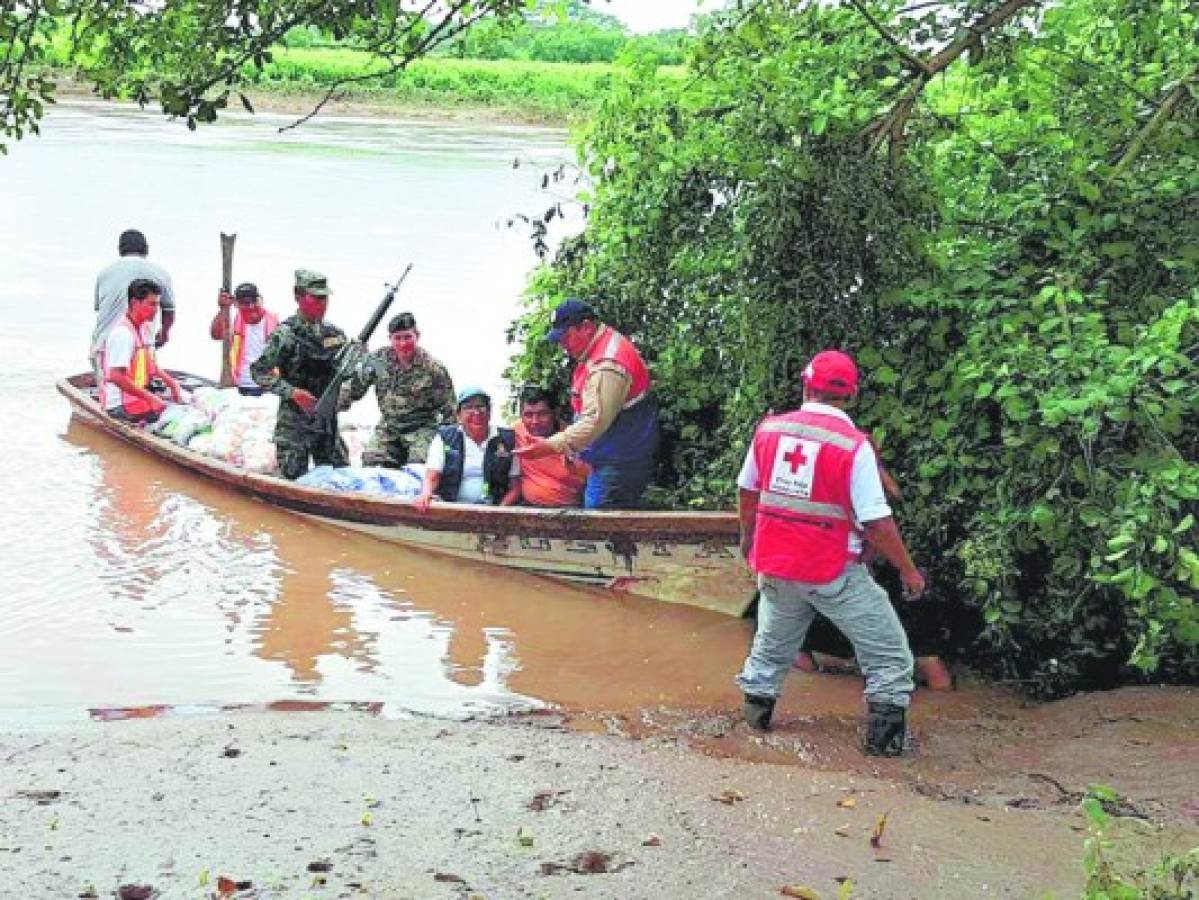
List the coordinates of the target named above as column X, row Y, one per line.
column 529, row 90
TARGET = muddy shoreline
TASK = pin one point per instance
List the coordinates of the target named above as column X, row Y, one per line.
column 664, row 802
column 299, row 102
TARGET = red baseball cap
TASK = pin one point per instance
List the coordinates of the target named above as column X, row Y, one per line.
column 832, row 372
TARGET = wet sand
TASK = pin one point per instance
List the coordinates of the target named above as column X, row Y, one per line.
column 535, row 804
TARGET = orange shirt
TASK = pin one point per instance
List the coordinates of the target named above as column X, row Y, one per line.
column 550, row 481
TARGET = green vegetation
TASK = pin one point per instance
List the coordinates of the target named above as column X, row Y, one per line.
column 528, row 89
column 1002, row 230
column 546, row 60
column 565, row 32
column 1173, row 876
column 193, row 58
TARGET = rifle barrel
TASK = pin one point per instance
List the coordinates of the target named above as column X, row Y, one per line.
column 381, row 309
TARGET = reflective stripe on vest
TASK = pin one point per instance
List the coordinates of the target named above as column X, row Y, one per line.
column 237, row 346
column 617, row 348
column 825, row 510
column 811, row 432
column 805, row 507
column 139, row 371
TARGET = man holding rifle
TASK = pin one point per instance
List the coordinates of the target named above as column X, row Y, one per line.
column 298, row 364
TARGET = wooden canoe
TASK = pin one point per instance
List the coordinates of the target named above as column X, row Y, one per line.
column 679, row 557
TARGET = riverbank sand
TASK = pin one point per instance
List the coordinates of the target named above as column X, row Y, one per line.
column 327, row 804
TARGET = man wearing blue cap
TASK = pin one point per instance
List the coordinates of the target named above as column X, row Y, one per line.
column 616, row 417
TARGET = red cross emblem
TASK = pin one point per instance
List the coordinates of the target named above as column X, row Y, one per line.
column 796, row 458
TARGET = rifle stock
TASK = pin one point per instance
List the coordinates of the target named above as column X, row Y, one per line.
column 227, row 242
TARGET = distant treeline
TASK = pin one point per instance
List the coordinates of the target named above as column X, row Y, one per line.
column 588, row 38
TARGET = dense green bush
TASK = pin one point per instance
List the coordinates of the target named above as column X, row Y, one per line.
column 1018, row 277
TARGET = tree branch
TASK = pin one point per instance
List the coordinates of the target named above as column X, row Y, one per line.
column 914, row 62
column 436, row 35
column 1159, row 118
column 891, row 126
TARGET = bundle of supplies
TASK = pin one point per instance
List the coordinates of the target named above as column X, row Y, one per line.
column 405, row 482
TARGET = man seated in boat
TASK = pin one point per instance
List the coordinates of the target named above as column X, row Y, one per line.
column 415, row 393
column 252, row 327
column 473, row 461
column 127, row 362
column 555, row 480
column 297, row 365
column 615, row 429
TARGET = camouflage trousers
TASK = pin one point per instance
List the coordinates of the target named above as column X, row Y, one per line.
column 394, row 450
column 297, row 438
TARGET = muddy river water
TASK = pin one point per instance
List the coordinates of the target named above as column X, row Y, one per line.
column 127, row 583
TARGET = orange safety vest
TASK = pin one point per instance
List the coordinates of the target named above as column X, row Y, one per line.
column 805, row 508
column 237, row 346
column 610, row 344
column 141, row 366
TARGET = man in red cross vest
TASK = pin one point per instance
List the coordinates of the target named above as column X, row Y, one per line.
column 810, row 497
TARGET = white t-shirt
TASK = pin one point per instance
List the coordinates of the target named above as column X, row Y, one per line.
column 865, row 486
column 255, row 343
column 473, row 486
column 118, row 354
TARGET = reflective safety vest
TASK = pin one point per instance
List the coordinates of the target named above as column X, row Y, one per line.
column 141, row 366
column 633, row 434
column 805, row 508
column 237, row 346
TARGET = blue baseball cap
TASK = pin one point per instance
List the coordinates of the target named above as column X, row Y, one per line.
column 468, row 393
column 569, row 312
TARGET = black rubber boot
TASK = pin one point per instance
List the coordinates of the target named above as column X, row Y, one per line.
column 758, row 711
column 886, row 730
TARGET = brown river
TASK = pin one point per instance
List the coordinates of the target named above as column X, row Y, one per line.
column 128, row 583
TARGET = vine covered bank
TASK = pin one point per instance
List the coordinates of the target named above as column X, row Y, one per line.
column 995, row 208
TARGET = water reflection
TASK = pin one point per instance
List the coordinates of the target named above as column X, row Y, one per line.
column 235, row 601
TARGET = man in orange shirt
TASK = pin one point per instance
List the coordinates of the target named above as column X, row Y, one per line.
column 551, row 480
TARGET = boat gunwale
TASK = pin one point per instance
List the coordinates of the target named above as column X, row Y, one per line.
column 721, row 528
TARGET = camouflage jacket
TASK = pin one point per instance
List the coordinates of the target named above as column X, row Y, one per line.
column 299, row 354
column 420, row 396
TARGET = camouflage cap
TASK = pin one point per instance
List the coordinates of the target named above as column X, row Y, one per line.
column 312, row 283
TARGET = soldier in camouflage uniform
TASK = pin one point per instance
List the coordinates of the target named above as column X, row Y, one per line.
column 415, row 396
column 297, row 364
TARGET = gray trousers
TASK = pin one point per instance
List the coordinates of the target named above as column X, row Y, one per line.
column 857, row 606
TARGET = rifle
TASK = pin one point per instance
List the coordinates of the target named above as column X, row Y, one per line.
column 348, row 358
column 227, row 241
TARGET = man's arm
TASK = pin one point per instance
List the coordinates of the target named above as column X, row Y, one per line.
column 265, row 369
column 217, row 329
column 364, row 376
column 604, row 395
column 878, row 525
column 883, row 535
column 164, row 332
column 513, row 495
column 747, row 514
column 434, row 463
column 444, row 394
column 119, row 375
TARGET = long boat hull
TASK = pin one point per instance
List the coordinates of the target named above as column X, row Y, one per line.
column 679, row 557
